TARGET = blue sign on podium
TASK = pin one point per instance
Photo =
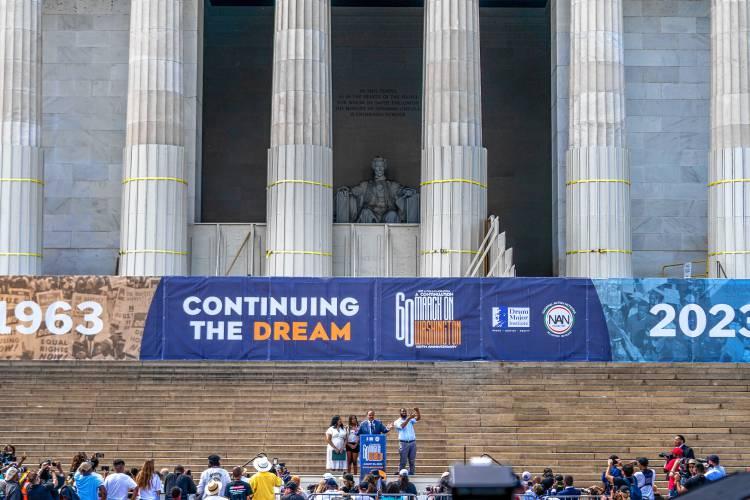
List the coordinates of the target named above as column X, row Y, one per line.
column 371, row 453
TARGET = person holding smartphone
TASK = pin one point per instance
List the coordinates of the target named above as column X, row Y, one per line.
column 407, row 438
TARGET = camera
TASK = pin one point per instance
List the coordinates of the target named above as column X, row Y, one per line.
column 666, row 455
column 98, row 455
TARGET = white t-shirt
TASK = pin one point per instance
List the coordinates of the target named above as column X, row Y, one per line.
column 117, row 486
column 646, row 487
column 212, row 474
column 153, row 490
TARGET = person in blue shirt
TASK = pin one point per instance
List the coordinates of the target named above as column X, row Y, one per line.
column 715, row 471
column 89, row 484
column 569, row 490
column 407, row 439
column 373, row 426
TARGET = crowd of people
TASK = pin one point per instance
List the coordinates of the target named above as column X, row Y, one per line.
column 263, row 479
column 88, row 479
column 631, row 480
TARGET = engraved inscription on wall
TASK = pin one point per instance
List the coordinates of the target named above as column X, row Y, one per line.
column 377, row 102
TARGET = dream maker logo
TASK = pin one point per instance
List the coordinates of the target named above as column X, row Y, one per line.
column 426, row 320
column 559, row 319
column 505, row 318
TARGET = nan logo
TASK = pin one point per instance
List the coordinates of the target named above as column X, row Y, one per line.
column 504, row 317
column 559, row 318
column 427, row 320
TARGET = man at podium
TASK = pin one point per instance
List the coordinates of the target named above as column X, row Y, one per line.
column 373, row 426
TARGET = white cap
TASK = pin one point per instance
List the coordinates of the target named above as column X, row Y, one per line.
column 445, row 474
column 526, row 476
column 403, row 472
column 328, row 476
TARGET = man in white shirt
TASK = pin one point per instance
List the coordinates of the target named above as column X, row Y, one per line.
column 213, row 473
column 118, row 483
column 407, row 439
column 645, row 478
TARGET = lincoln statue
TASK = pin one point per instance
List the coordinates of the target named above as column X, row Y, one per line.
column 377, row 200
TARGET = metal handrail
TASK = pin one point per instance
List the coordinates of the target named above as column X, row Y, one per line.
column 484, row 247
column 681, row 264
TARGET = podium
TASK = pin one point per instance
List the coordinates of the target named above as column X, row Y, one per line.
column 372, row 451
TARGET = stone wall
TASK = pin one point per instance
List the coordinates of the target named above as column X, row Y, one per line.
column 84, row 87
column 667, row 74
column 85, row 71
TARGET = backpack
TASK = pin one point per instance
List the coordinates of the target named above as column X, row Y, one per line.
column 635, row 491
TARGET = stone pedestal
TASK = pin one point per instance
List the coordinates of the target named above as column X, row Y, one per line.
column 21, row 170
column 729, row 170
column 598, row 176
column 454, row 163
column 154, row 221
column 300, row 160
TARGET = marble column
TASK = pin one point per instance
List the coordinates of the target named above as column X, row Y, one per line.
column 598, row 175
column 154, row 222
column 21, row 169
column 729, row 170
column 300, row 159
column 454, row 163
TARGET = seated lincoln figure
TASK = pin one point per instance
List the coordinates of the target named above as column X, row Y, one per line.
column 378, row 200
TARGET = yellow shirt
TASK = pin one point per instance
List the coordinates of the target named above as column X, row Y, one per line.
column 262, row 484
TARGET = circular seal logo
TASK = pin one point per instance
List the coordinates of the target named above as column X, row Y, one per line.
column 559, row 318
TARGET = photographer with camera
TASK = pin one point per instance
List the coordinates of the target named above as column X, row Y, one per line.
column 50, row 472
column 715, row 471
column 673, row 461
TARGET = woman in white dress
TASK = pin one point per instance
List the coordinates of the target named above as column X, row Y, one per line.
column 335, row 451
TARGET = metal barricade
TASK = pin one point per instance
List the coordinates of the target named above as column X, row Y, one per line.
column 531, row 496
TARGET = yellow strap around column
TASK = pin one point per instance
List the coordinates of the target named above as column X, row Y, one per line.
column 729, row 252
column 448, row 181
column 299, row 181
column 139, row 179
column 21, row 254
column 149, row 250
column 588, row 181
column 22, row 179
column 726, row 181
column 270, row 253
column 598, row 250
column 447, row 250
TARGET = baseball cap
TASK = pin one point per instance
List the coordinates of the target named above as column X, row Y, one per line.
column 331, row 482
column 348, row 477
column 403, row 472
column 526, row 476
column 364, row 485
column 327, row 476
column 692, row 461
column 713, row 458
column 291, row 485
column 11, row 473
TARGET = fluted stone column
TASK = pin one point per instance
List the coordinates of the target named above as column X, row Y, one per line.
column 729, row 171
column 598, row 175
column 300, row 160
column 21, row 175
column 454, row 163
column 154, row 222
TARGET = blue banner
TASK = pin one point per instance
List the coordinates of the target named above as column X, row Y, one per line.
column 384, row 319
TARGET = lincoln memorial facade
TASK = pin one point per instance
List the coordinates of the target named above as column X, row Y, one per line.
column 582, row 138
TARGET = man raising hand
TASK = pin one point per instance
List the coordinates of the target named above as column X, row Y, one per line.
column 407, row 439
